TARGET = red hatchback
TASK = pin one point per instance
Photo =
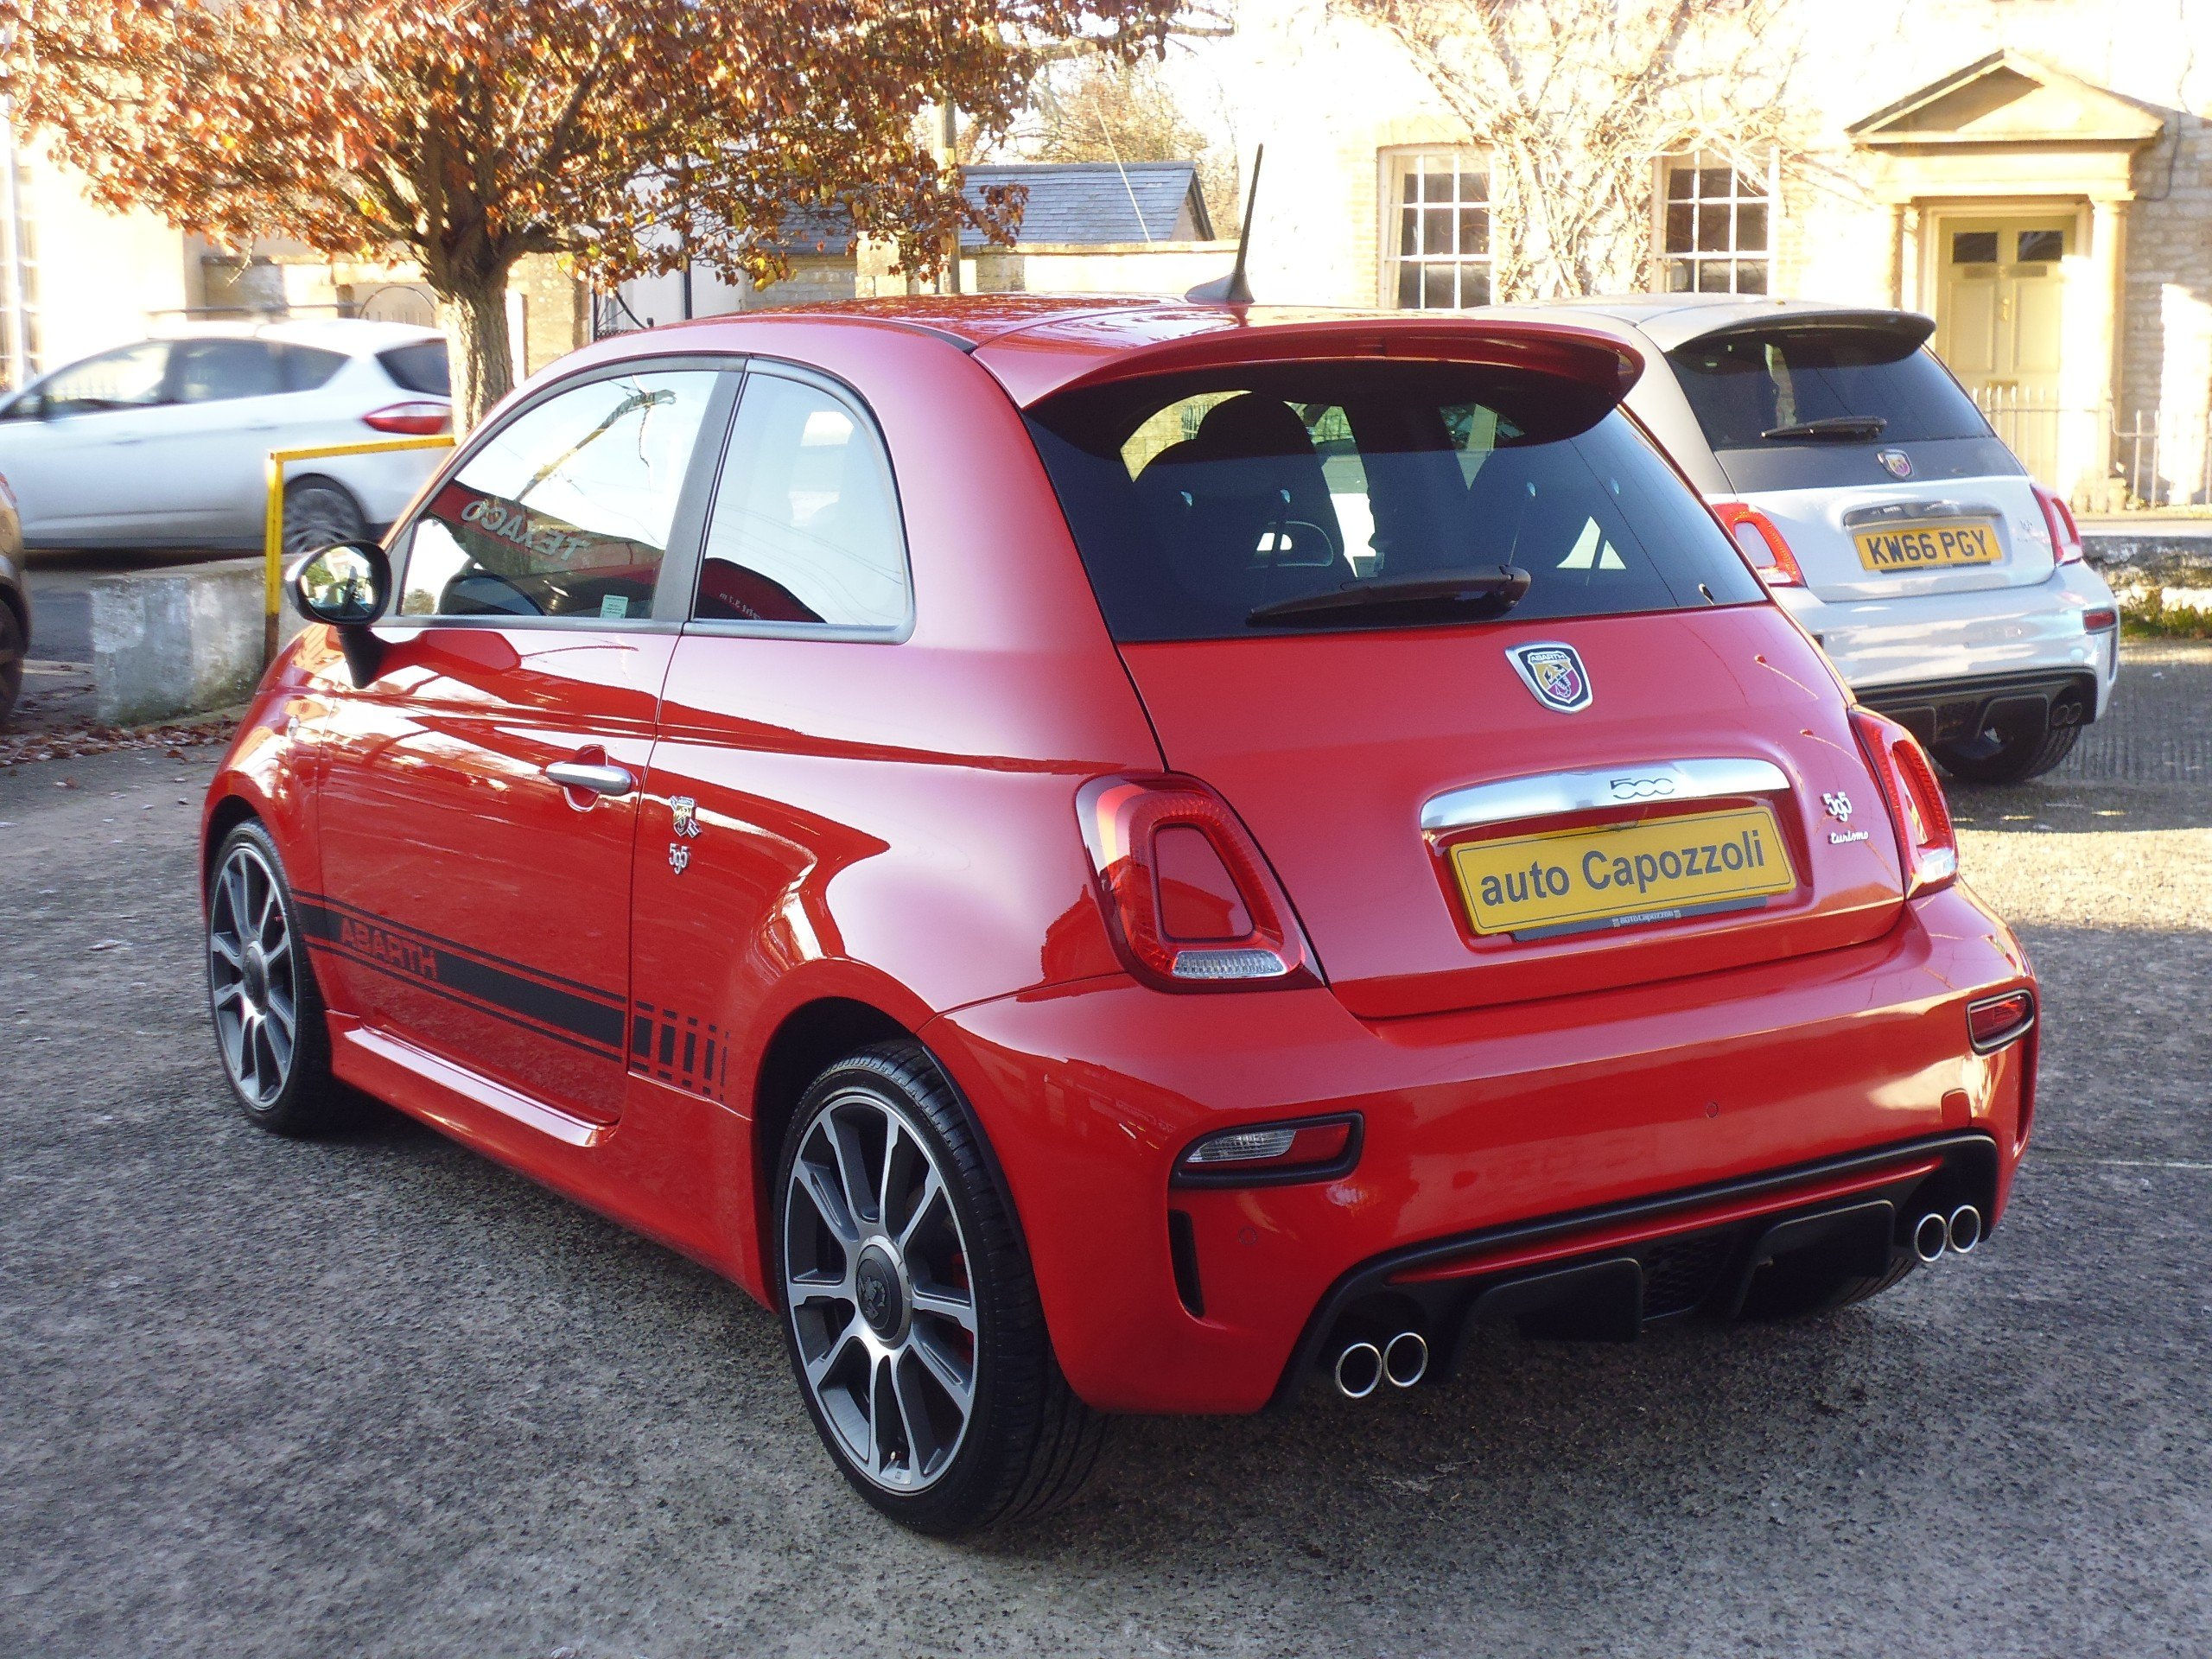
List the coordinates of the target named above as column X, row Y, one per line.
column 1117, row 858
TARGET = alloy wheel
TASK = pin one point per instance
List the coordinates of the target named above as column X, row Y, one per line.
column 317, row 516
column 252, row 977
column 876, row 1286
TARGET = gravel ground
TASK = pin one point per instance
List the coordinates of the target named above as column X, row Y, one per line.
column 378, row 1396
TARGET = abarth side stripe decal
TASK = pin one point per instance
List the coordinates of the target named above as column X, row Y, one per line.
column 434, row 965
column 498, row 961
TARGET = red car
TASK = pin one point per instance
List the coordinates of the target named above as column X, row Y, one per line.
column 1117, row 857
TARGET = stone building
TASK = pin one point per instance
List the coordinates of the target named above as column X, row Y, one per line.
column 2037, row 175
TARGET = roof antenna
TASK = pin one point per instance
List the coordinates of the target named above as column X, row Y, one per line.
column 1233, row 289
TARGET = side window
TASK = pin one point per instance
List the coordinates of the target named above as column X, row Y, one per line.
column 130, row 378
column 216, row 370
column 805, row 523
column 307, row 367
column 567, row 510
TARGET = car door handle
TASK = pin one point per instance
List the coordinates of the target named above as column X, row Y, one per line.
column 597, row 780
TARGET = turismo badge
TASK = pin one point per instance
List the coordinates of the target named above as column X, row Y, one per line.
column 1553, row 673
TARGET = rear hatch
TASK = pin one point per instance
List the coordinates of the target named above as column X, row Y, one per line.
column 1635, row 769
column 1875, row 465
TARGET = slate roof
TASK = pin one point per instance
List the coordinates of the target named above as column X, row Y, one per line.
column 1097, row 201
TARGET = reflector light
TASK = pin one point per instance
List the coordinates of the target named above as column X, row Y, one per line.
column 420, row 419
column 1308, row 1150
column 2101, row 621
column 1189, row 901
column 1761, row 542
column 1926, row 840
column 2065, row 534
column 1996, row 1020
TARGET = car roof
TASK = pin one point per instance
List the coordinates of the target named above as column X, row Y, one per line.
column 356, row 336
column 1037, row 345
column 1671, row 320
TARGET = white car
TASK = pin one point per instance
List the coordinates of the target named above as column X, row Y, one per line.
column 165, row 444
column 1945, row 585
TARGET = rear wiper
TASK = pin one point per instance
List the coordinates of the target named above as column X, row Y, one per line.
column 1472, row 593
column 1836, row 426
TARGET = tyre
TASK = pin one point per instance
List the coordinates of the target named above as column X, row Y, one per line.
column 268, row 1012
column 12, row 650
column 319, row 513
column 2009, row 757
column 910, row 1312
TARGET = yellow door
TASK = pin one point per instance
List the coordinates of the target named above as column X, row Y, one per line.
column 1997, row 323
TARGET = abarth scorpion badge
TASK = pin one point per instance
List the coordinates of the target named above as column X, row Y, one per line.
column 1553, row 674
column 683, row 812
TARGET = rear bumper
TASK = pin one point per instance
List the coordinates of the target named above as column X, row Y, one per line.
column 1882, row 645
column 1954, row 711
column 1558, row 1112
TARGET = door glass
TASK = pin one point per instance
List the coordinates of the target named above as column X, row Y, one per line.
column 216, row 370
column 566, row 510
column 130, row 378
column 805, row 526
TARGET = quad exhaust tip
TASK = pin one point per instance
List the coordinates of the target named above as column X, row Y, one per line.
column 1359, row 1371
column 1958, row 1232
column 1363, row 1367
column 1931, row 1236
column 1405, row 1358
column 1963, row 1230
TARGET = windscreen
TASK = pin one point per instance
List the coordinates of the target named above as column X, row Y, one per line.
column 1323, row 496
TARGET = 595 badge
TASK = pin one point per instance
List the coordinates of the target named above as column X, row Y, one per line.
column 684, row 813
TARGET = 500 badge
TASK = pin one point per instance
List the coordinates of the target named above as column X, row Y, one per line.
column 1612, row 875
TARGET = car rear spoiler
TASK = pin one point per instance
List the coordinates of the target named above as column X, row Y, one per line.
column 1909, row 330
column 1034, row 364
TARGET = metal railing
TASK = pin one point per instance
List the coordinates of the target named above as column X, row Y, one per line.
column 2158, row 457
column 2165, row 456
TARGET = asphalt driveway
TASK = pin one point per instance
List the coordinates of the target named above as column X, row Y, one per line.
column 378, row 1396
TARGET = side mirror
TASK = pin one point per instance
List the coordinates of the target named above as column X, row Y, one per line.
column 347, row 586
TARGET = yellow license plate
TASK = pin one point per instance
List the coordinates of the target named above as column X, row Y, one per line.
column 1575, row 880
column 1930, row 547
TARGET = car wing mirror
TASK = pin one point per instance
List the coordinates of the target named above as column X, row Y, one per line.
column 347, row 586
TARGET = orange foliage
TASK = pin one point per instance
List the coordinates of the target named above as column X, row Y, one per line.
column 463, row 134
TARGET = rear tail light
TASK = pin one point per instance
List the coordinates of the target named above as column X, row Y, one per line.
column 2065, row 534
column 1925, row 838
column 1996, row 1020
column 421, row 420
column 1761, row 541
column 1191, row 903
column 1314, row 1149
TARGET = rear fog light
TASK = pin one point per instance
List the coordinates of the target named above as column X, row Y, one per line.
column 1275, row 1152
column 1996, row 1020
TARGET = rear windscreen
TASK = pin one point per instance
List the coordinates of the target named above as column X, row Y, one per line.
column 1203, row 505
column 1749, row 390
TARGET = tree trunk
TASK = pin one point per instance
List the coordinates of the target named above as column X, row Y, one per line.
column 475, row 317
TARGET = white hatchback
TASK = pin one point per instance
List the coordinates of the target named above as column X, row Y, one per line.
column 1945, row 585
column 164, row 443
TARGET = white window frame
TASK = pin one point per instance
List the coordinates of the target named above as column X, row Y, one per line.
column 1428, row 160
column 1663, row 260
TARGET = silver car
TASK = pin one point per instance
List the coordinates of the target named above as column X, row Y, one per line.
column 1947, row 586
column 165, row 442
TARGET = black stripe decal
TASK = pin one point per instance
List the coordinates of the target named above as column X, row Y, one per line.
column 421, row 959
column 470, row 1003
column 427, row 938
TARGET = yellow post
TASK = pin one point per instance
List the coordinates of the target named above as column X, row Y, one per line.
column 272, row 523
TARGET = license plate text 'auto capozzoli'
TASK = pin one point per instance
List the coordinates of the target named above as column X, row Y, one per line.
column 1614, row 875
